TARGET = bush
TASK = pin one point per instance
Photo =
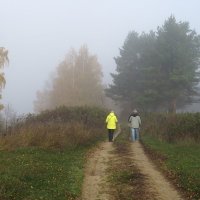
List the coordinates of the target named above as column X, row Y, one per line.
column 90, row 116
column 173, row 127
column 60, row 128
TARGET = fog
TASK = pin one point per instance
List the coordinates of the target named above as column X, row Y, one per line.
column 39, row 33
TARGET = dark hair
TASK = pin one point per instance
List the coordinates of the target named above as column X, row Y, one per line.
column 134, row 114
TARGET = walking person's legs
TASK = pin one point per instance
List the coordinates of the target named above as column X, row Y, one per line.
column 132, row 134
column 110, row 135
column 137, row 134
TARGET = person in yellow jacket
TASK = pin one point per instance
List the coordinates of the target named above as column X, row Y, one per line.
column 111, row 121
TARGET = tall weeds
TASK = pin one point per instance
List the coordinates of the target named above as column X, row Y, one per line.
column 60, row 128
column 182, row 127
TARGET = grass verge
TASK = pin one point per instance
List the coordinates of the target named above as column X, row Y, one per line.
column 42, row 156
column 180, row 162
column 33, row 173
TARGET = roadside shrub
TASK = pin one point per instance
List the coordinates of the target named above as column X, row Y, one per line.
column 90, row 116
column 60, row 128
column 173, row 127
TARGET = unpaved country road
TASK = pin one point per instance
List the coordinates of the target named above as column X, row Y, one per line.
column 156, row 182
column 96, row 185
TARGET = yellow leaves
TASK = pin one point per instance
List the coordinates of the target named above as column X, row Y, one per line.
column 2, row 81
column 3, row 60
column 77, row 82
column 3, row 56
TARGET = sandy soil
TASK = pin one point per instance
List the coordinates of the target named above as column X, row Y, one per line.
column 96, row 186
column 155, row 180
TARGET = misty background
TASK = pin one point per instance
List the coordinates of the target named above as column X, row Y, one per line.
column 38, row 34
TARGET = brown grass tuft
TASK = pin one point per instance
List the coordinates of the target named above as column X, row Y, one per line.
column 51, row 135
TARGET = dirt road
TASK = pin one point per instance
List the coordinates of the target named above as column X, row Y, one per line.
column 156, row 182
column 97, row 186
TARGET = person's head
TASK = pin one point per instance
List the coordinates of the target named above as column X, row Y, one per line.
column 135, row 112
column 111, row 111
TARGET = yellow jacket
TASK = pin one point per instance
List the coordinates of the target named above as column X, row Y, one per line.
column 111, row 121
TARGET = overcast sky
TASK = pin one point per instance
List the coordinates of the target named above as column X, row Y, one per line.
column 39, row 33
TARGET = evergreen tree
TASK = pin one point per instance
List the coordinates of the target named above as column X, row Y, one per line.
column 178, row 52
column 157, row 70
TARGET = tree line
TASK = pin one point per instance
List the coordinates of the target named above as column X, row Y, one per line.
column 158, row 71
column 155, row 71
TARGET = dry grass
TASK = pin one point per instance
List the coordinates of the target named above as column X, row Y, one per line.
column 50, row 135
column 179, row 128
column 43, row 155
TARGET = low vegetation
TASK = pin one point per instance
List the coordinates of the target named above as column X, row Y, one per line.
column 173, row 128
column 173, row 143
column 33, row 173
column 42, row 157
column 60, row 128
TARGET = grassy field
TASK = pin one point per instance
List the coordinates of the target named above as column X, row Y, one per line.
column 43, row 156
column 32, row 173
column 181, row 162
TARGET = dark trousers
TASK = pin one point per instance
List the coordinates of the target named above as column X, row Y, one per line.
column 110, row 134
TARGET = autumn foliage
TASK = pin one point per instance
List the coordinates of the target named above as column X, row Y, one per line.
column 76, row 82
